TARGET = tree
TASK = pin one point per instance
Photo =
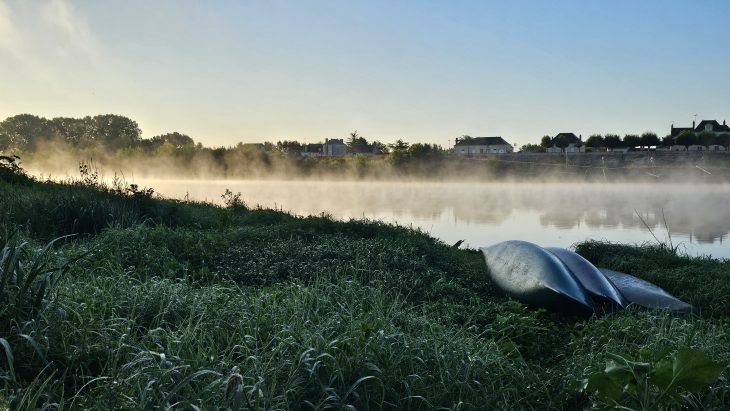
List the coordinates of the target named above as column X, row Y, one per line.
column 668, row 141
column 113, row 131
column 421, row 151
column 612, row 141
column 25, row 132
column 686, row 138
column 706, row 139
column 399, row 146
column 649, row 139
column 356, row 142
column 723, row 140
column 289, row 147
column 546, row 141
column 595, row 141
column 532, row 148
column 631, row 140
column 176, row 140
column 380, row 147
column 561, row 142
column 74, row 131
column 4, row 142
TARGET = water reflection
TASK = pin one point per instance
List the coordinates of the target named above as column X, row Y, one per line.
column 694, row 213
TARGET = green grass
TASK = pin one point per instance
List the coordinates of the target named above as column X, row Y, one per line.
column 184, row 305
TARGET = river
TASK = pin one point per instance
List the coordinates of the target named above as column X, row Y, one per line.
column 695, row 216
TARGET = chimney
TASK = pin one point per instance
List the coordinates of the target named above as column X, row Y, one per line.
column 693, row 124
column 580, row 137
column 723, row 122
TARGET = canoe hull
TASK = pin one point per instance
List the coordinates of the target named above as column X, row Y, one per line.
column 532, row 275
column 644, row 293
column 599, row 288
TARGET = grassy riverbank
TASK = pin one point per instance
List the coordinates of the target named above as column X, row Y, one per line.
column 178, row 304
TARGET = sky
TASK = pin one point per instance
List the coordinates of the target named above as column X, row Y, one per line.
column 421, row 71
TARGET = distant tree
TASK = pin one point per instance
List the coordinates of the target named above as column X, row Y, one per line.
column 356, row 142
column 380, row 147
column 4, row 142
column 706, row 138
column 113, row 131
column 399, row 146
column 421, row 151
column 175, row 139
column 74, row 131
column 269, row 147
column 546, row 141
column 532, row 148
column 649, row 139
column 631, row 141
column 595, row 141
column 686, row 138
column 561, row 142
column 668, row 141
column 612, row 141
column 289, row 147
column 25, row 132
column 723, row 140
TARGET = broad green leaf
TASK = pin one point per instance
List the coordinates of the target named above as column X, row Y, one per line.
column 622, row 369
column 663, row 373
column 694, row 370
column 608, row 389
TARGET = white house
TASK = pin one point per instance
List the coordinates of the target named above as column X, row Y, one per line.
column 475, row 146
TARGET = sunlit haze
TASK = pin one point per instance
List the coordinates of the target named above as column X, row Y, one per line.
column 224, row 72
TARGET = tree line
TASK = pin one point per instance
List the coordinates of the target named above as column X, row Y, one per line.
column 609, row 142
column 122, row 136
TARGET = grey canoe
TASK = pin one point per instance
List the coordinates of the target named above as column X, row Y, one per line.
column 599, row 288
column 644, row 293
column 532, row 275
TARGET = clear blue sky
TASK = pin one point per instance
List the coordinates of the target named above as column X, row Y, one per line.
column 229, row 71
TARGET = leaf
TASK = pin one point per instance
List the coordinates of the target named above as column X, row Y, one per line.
column 621, row 369
column 8, row 356
column 663, row 374
column 608, row 389
column 693, row 369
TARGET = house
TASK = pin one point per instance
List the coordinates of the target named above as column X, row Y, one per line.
column 334, row 147
column 475, row 146
column 708, row 126
column 575, row 144
column 712, row 126
column 705, row 126
column 313, row 150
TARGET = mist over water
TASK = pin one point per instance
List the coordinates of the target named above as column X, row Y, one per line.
column 549, row 214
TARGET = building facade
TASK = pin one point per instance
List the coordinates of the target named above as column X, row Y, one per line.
column 334, row 147
column 476, row 146
column 706, row 126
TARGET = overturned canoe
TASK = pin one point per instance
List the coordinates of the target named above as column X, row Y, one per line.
column 599, row 288
column 532, row 275
column 644, row 293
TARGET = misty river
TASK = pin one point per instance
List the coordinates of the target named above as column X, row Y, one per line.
column 697, row 216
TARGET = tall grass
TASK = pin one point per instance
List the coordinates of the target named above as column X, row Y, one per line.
column 179, row 305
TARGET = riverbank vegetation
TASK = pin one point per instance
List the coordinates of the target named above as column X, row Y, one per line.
column 114, row 144
column 114, row 298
